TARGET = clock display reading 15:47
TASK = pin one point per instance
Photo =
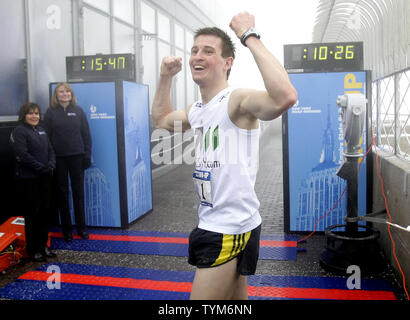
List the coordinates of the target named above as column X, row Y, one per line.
column 103, row 63
column 101, row 67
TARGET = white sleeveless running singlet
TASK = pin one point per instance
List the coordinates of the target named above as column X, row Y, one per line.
column 226, row 164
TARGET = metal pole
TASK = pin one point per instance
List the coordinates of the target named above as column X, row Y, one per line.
column 352, row 196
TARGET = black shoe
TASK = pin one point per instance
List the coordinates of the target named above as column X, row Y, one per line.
column 84, row 235
column 38, row 257
column 48, row 253
column 68, row 237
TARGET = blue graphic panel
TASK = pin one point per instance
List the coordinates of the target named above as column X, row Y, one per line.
column 316, row 149
column 137, row 149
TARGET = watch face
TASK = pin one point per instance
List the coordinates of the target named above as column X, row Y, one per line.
column 251, row 32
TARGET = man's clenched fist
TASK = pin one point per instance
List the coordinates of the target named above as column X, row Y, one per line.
column 171, row 65
column 241, row 23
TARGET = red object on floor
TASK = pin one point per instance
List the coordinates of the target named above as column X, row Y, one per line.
column 15, row 225
column 13, row 233
column 9, row 254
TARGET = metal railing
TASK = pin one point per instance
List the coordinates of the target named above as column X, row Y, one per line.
column 391, row 113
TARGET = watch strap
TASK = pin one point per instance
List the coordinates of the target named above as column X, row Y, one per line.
column 250, row 33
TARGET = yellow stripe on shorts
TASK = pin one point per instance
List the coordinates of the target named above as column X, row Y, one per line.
column 232, row 245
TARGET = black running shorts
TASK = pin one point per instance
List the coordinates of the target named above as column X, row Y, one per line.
column 209, row 249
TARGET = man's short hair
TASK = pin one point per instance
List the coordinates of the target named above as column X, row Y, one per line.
column 228, row 47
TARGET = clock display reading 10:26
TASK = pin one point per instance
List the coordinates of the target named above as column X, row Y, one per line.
column 339, row 52
column 314, row 57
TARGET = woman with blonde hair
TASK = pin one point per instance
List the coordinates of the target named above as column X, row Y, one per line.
column 67, row 127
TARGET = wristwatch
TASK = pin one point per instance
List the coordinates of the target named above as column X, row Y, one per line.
column 250, row 33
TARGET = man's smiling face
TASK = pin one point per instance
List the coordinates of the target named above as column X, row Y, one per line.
column 206, row 61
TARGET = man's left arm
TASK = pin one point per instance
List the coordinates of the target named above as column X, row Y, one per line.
column 280, row 94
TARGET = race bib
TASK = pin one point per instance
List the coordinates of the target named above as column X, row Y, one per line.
column 202, row 180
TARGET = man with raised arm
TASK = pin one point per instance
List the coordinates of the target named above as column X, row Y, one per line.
column 225, row 245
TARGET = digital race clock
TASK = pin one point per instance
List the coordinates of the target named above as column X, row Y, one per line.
column 101, row 67
column 314, row 57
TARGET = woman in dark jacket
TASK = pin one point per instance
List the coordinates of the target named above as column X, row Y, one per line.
column 67, row 127
column 34, row 166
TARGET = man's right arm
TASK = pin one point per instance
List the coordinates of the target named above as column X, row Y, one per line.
column 162, row 112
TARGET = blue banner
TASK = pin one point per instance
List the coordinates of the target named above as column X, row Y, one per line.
column 316, row 149
column 101, row 179
column 137, row 149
